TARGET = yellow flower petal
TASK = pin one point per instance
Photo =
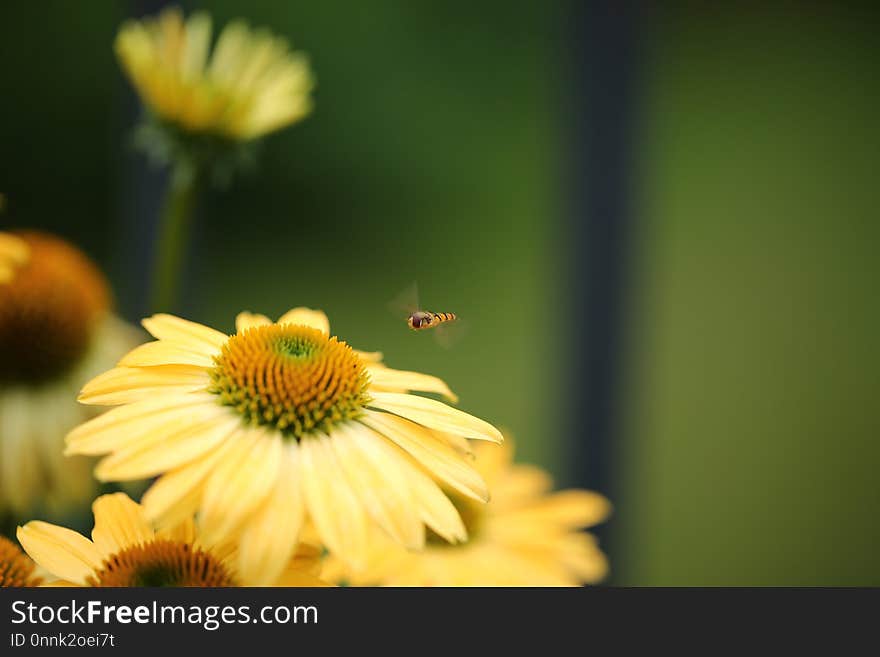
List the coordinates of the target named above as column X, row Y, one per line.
column 584, row 558
column 61, row 551
column 307, row 317
column 182, row 532
column 270, row 538
column 125, row 385
column 166, row 352
column 334, row 508
column 206, row 429
column 169, row 327
column 378, row 483
column 435, row 509
column 294, row 577
column 438, row 457
column 386, row 379
column 246, row 320
column 60, row 583
column 130, row 424
column 119, row 523
column 519, row 486
column 240, row 482
column 435, row 415
column 569, row 509
column 177, row 494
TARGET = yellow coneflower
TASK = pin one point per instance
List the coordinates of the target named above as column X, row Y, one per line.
column 56, row 332
column 280, row 420
column 249, row 86
column 127, row 551
column 525, row 536
column 16, row 568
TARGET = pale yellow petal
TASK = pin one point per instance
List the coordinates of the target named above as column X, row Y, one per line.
column 129, row 424
column 436, row 456
column 306, row 317
column 60, row 583
column 246, row 320
column 198, row 41
column 435, row 415
column 270, row 537
column 240, row 483
column 182, row 532
column 61, row 551
column 568, row 508
column 126, row 385
column 518, row 486
column 155, row 454
column 119, row 523
column 337, row 513
column 389, row 380
column 435, row 509
column 294, row 577
column 494, row 461
column 176, row 495
column 378, row 483
column 166, row 352
column 169, row 327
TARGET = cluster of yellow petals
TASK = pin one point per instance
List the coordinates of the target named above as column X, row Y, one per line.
column 250, row 85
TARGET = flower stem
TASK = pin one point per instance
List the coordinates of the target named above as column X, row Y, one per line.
column 174, row 233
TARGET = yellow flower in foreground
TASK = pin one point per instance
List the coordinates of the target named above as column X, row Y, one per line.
column 278, row 423
column 249, row 86
column 56, row 332
column 125, row 550
column 16, row 569
column 525, row 536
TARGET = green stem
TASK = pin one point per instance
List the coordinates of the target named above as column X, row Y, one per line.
column 174, row 234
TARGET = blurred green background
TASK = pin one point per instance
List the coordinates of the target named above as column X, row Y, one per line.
column 437, row 152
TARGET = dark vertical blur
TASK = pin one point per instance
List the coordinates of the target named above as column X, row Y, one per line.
column 606, row 76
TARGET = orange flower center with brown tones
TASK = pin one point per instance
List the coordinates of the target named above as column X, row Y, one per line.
column 162, row 563
column 48, row 310
column 16, row 568
column 290, row 377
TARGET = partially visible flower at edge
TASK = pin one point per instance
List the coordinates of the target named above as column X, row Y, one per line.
column 524, row 536
column 16, row 568
column 258, row 431
column 56, row 331
column 126, row 551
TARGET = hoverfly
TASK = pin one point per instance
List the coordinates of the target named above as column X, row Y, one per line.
column 407, row 303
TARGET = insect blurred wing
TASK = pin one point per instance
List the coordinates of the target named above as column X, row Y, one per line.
column 406, row 302
column 450, row 334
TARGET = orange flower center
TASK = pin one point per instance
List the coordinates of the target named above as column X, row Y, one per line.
column 48, row 310
column 162, row 563
column 291, row 377
column 16, row 569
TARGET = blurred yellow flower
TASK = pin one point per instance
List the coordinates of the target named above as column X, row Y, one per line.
column 277, row 423
column 249, row 86
column 525, row 536
column 16, row 568
column 56, row 331
column 127, row 551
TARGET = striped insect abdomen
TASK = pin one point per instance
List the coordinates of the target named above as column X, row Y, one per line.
column 439, row 318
